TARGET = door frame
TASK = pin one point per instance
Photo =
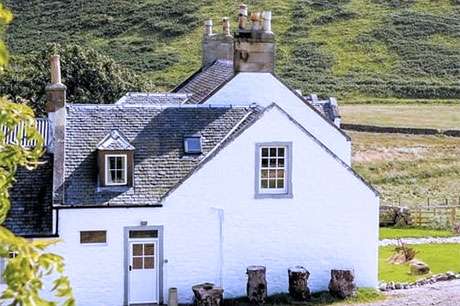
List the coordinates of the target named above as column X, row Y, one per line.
column 126, row 260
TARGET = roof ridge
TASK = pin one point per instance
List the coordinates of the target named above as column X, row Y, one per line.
column 159, row 106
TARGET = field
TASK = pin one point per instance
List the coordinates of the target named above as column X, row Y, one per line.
column 396, row 233
column 409, row 168
column 352, row 49
column 439, row 116
column 440, row 258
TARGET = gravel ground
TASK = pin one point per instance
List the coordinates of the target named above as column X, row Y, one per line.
column 427, row 240
column 442, row 294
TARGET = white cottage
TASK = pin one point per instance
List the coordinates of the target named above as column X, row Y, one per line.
column 233, row 168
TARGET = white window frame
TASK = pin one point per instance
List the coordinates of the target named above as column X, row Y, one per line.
column 107, row 169
column 284, row 192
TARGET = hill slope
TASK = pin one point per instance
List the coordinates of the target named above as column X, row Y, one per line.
column 353, row 49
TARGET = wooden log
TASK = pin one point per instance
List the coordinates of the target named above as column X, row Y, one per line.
column 342, row 283
column 207, row 294
column 298, row 283
column 257, row 285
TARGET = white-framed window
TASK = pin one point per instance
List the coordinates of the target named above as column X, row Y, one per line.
column 192, row 144
column 273, row 169
column 116, row 169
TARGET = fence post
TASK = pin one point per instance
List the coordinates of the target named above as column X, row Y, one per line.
column 419, row 216
column 452, row 216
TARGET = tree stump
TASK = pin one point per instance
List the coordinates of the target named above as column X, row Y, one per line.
column 298, row 283
column 208, row 295
column 342, row 283
column 257, row 285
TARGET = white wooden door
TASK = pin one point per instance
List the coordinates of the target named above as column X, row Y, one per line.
column 143, row 271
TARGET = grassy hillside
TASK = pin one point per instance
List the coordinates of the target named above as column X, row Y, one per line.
column 409, row 168
column 353, row 49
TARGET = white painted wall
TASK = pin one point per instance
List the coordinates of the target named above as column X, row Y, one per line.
column 264, row 89
column 331, row 222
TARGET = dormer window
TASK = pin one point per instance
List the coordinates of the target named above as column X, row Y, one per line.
column 115, row 161
column 116, row 170
column 192, row 144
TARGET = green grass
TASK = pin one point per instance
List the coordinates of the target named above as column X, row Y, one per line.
column 408, row 169
column 440, row 258
column 403, row 115
column 395, row 233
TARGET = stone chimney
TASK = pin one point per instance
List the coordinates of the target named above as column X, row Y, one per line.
column 55, row 107
column 217, row 45
column 254, row 45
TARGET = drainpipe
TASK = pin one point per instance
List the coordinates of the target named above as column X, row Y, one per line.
column 220, row 215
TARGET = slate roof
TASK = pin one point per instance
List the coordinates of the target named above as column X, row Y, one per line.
column 206, row 80
column 31, row 201
column 141, row 98
column 156, row 133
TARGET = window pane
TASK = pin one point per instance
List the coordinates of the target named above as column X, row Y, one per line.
column 272, row 152
column 149, row 249
column 120, row 163
column 264, row 151
column 112, row 162
column 280, row 152
column 272, row 162
column 264, row 162
column 281, row 162
column 192, row 145
column 272, row 173
column 272, row 183
column 149, row 263
column 93, row 236
column 143, row 234
column 264, row 183
column 137, row 263
column 264, row 174
column 280, row 183
column 137, row 249
column 280, row 173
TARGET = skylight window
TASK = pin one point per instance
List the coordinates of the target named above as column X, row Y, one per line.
column 192, row 144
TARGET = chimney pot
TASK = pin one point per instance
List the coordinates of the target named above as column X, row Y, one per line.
column 55, row 69
column 255, row 18
column 208, row 27
column 242, row 16
column 226, row 26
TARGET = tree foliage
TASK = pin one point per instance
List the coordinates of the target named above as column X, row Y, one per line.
column 25, row 271
column 89, row 76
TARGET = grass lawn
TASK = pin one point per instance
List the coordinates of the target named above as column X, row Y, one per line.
column 440, row 258
column 395, row 233
column 438, row 116
column 409, row 168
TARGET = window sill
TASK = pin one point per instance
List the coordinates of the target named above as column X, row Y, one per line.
column 117, row 189
column 273, row 196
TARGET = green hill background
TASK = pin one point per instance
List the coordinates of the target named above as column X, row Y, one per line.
column 353, row 49
column 347, row 48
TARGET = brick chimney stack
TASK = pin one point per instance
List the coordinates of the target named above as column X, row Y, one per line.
column 55, row 107
column 217, row 46
column 254, row 46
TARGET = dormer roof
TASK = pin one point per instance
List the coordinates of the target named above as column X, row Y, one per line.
column 115, row 141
